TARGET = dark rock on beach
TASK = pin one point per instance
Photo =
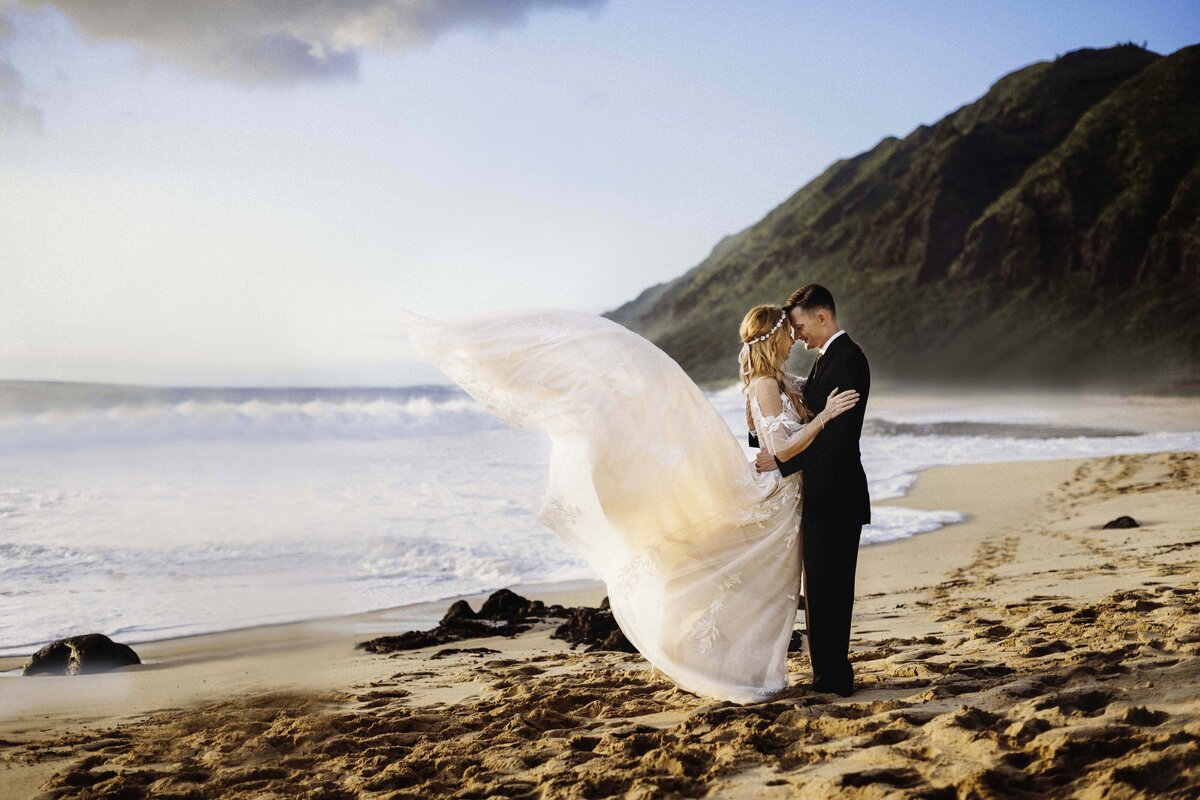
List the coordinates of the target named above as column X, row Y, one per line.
column 1122, row 522
column 506, row 613
column 510, row 606
column 446, row 632
column 80, row 655
column 460, row 610
column 595, row 627
column 474, row 651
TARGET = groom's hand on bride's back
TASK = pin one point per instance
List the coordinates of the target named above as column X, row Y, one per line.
column 765, row 462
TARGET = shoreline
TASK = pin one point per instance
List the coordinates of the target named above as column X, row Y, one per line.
column 426, row 613
column 392, row 619
column 413, row 616
column 1152, row 414
column 1023, row 644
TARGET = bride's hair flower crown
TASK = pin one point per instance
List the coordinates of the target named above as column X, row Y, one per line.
column 744, row 356
column 769, row 333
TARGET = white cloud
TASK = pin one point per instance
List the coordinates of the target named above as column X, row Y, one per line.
column 284, row 41
column 15, row 114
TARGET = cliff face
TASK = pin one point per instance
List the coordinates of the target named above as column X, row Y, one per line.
column 1049, row 231
column 1116, row 201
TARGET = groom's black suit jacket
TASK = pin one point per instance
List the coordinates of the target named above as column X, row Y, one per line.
column 835, row 485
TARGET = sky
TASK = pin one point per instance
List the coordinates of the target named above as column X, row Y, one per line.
column 247, row 193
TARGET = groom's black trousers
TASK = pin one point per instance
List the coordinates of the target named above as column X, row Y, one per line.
column 830, row 552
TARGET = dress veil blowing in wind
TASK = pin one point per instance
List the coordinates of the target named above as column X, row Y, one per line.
column 648, row 484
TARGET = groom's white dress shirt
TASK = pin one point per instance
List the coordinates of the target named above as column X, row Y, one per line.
column 823, row 347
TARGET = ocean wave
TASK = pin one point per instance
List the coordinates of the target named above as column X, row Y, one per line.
column 988, row 430
column 76, row 418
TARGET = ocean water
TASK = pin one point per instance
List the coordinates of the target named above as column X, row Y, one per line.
column 144, row 513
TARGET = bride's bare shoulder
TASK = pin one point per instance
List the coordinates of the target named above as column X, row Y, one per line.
column 764, row 383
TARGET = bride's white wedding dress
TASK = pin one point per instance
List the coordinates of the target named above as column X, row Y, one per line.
column 699, row 551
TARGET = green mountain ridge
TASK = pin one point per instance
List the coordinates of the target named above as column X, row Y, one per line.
column 1048, row 232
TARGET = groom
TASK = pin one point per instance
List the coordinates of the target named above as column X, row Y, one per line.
column 835, row 505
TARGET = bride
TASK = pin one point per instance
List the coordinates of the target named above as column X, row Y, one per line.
column 698, row 550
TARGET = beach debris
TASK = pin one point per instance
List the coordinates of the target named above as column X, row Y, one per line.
column 1121, row 522
column 80, row 655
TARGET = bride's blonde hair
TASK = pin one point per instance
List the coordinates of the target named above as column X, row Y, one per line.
column 765, row 338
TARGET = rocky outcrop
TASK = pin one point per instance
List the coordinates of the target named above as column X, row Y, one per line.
column 506, row 613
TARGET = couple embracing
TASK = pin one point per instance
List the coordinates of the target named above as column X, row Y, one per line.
column 783, row 413
column 701, row 551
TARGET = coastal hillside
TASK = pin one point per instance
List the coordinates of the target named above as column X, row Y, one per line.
column 1048, row 232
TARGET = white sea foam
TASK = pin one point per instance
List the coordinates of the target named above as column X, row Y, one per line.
column 895, row 450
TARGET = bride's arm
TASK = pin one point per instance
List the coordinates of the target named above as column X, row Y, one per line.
column 801, row 439
column 788, row 437
column 776, row 427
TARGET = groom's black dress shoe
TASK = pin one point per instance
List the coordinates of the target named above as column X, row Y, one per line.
column 829, row 688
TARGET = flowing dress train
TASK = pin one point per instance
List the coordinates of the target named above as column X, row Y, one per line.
column 648, row 484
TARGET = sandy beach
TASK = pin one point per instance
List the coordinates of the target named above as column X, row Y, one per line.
column 383, row 387
column 1025, row 650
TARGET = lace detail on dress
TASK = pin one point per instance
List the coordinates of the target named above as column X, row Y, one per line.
column 705, row 630
column 508, row 409
column 636, row 572
column 775, row 423
column 766, row 511
column 788, row 493
column 558, row 515
column 621, row 379
column 788, row 414
column 788, row 417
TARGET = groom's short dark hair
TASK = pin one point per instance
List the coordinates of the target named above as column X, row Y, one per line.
column 810, row 298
